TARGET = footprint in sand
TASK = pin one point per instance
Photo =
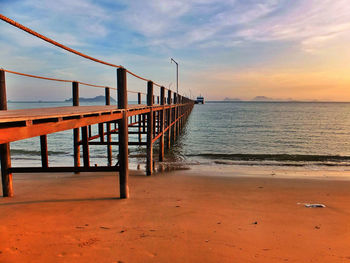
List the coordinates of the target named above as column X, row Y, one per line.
column 61, row 255
column 88, row 243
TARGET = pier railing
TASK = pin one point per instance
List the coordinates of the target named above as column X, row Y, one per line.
column 160, row 122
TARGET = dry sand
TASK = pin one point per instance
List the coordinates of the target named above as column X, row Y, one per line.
column 182, row 216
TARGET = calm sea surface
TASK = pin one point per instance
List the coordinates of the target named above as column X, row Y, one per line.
column 234, row 133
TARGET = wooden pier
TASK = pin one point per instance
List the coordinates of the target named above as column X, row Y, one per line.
column 160, row 123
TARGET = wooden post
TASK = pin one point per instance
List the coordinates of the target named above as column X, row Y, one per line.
column 44, row 152
column 161, row 124
column 144, row 123
column 85, row 141
column 6, row 176
column 139, row 117
column 90, row 131
column 101, row 132
column 178, row 115
column 108, row 128
column 175, row 117
column 76, row 132
column 149, row 164
column 123, row 134
column 169, row 119
column 107, row 96
column 154, row 123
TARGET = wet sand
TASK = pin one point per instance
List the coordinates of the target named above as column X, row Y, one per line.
column 181, row 216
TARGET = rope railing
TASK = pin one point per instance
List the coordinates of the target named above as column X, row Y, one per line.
column 136, row 76
column 136, row 92
column 54, row 79
column 67, row 81
column 96, row 86
column 51, row 41
column 34, row 76
column 34, row 33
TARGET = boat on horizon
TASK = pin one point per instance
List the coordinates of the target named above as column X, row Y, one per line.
column 199, row 100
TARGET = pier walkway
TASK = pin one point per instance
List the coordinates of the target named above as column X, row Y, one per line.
column 161, row 120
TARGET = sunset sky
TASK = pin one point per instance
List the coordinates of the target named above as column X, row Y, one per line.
column 234, row 48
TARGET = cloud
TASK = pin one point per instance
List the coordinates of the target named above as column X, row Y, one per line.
column 201, row 34
column 210, row 23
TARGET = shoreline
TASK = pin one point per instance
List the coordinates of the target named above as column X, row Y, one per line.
column 282, row 172
column 246, row 215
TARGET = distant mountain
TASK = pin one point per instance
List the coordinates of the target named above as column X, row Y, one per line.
column 262, row 98
column 231, row 99
column 95, row 99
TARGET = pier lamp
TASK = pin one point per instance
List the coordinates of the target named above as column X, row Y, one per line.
column 177, row 74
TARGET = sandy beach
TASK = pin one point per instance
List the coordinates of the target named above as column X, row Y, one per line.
column 181, row 216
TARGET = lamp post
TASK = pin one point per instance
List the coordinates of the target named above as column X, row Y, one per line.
column 177, row 75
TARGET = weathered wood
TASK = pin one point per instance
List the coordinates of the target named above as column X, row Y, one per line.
column 101, row 132
column 149, row 162
column 139, row 118
column 85, row 142
column 76, row 132
column 161, row 119
column 144, row 116
column 161, row 125
column 108, row 129
column 28, row 130
column 76, row 147
column 63, row 169
column 123, row 134
column 44, row 152
column 107, row 96
column 175, row 117
column 54, row 114
column 6, row 175
column 178, row 115
column 75, row 93
column 90, row 131
column 116, row 143
column 169, row 120
column 109, row 144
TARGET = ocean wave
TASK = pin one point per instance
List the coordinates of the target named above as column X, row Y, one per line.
column 33, row 152
column 285, row 159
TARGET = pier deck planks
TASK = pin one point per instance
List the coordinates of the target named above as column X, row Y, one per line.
column 26, row 123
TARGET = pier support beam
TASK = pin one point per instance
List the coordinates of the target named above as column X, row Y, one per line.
column 139, row 118
column 108, row 128
column 44, row 152
column 6, row 175
column 123, row 134
column 169, row 120
column 85, row 142
column 161, row 124
column 175, row 117
column 149, row 163
column 76, row 132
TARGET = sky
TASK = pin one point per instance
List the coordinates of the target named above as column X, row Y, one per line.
column 234, row 48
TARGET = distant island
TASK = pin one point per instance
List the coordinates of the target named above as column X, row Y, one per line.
column 261, row 99
column 264, row 98
column 95, row 99
column 231, row 99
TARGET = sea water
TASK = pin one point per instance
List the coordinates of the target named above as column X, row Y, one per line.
column 309, row 134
